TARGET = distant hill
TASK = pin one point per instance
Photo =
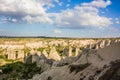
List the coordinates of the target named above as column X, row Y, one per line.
column 55, row 37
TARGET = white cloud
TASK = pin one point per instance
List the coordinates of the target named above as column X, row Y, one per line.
column 59, row 3
column 46, row 2
column 35, row 11
column 22, row 7
column 84, row 15
column 117, row 20
column 98, row 3
column 14, row 20
column 9, row 20
column 37, row 19
column 19, row 9
column 57, row 31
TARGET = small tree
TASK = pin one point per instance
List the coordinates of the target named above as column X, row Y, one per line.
column 16, row 54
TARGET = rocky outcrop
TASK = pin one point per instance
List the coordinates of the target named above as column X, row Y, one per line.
column 54, row 55
column 64, row 62
column 91, row 64
column 70, row 51
column 113, row 73
column 101, row 44
column 45, row 53
column 14, row 54
column 31, row 59
column 65, row 51
column 43, row 63
column 40, row 61
column 77, row 51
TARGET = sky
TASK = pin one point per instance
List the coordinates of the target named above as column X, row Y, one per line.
column 60, row 18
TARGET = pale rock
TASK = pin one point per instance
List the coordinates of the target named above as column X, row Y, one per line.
column 32, row 51
column 54, row 55
column 45, row 53
column 70, row 51
column 38, row 53
column 76, row 51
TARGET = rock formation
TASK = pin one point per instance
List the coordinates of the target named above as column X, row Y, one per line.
column 43, row 63
column 101, row 44
column 78, row 60
column 14, row 54
column 76, row 51
column 54, row 55
column 65, row 51
column 70, row 52
column 91, row 64
column 31, row 58
column 68, row 45
column 45, row 53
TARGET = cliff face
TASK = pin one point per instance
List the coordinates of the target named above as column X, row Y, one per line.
column 100, row 56
column 92, row 64
column 101, row 44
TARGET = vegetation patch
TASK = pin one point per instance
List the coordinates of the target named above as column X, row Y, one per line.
column 19, row 70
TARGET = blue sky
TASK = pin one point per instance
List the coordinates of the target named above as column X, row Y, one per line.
column 60, row 18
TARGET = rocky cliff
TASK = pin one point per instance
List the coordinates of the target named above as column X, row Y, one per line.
column 100, row 62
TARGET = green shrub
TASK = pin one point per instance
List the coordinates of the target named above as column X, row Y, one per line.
column 20, row 70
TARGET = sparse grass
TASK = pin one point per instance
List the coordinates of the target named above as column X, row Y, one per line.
column 59, row 49
column 40, row 49
column 4, row 60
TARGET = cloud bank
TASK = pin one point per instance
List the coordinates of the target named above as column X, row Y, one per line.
column 25, row 10
column 84, row 15
column 35, row 11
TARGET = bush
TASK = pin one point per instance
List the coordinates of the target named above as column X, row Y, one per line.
column 20, row 70
column 3, row 57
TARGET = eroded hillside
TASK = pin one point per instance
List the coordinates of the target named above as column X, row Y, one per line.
column 61, row 59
